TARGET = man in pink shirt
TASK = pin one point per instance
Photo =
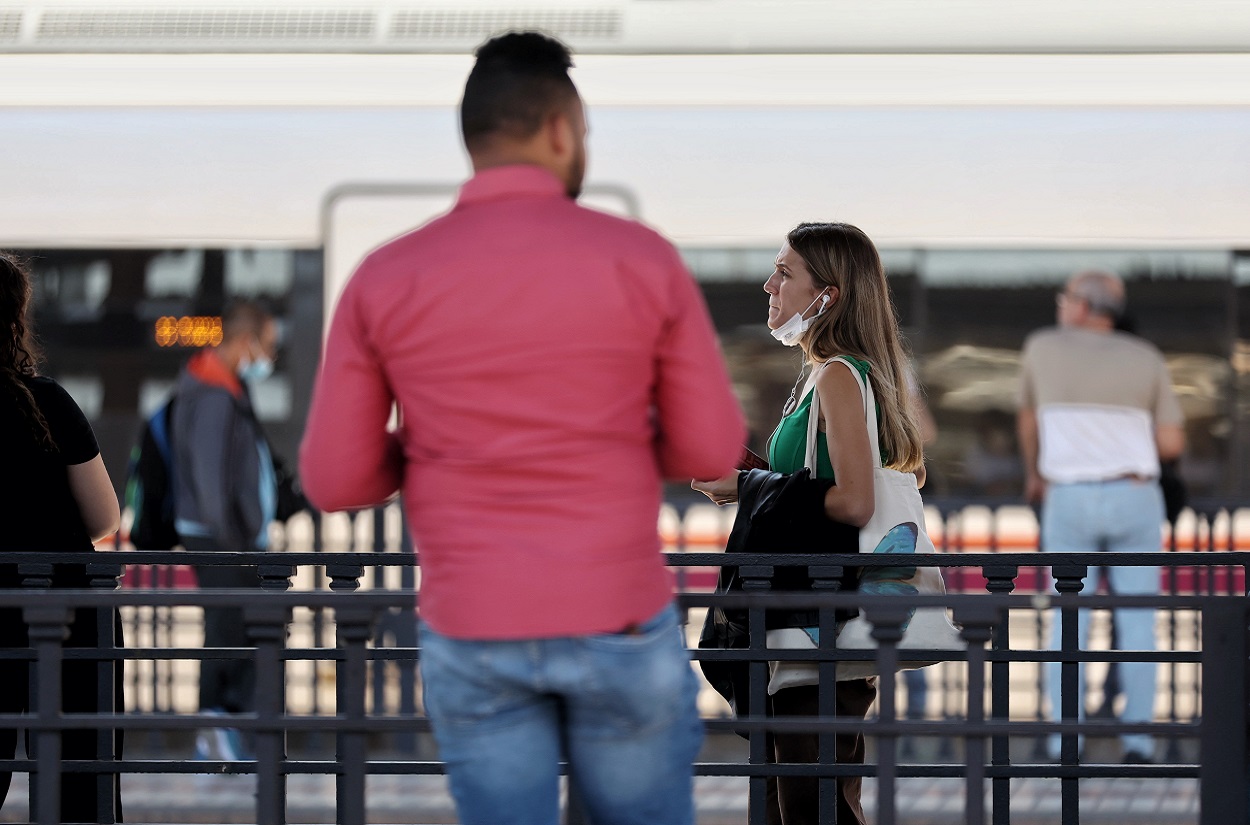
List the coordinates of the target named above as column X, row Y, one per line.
column 551, row 365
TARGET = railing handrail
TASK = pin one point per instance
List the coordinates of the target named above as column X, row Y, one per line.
column 781, row 600
column 672, row 558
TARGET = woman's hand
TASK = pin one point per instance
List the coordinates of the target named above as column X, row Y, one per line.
column 721, row 491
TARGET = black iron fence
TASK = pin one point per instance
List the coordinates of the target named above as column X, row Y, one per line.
column 336, row 672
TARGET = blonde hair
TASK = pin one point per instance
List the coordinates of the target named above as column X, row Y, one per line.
column 863, row 324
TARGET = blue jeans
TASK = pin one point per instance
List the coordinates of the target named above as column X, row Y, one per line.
column 619, row 707
column 1117, row 516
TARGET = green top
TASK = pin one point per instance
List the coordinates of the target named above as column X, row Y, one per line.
column 788, row 446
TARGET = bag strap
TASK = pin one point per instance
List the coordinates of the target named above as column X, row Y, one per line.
column 870, row 409
column 813, row 426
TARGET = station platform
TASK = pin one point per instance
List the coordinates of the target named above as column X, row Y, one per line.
column 409, row 800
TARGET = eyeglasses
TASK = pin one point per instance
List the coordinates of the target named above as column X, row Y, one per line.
column 1064, row 297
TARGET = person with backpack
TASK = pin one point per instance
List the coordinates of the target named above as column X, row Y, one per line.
column 150, row 483
column 225, row 495
column 59, row 498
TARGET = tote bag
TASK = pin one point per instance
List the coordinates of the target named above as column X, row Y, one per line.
column 897, row 526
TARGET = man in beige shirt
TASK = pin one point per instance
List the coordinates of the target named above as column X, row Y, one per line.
column 1097, row 413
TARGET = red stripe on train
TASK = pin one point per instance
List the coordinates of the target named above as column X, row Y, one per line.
column 1214, row 579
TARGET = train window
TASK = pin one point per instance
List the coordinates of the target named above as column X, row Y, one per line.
column 173, row 274
column 730, row 264
column 965, row 314
column 259, row 272
column 73, row 287
column 245, row 273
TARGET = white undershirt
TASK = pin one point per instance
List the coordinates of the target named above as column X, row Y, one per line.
column 1095, row 442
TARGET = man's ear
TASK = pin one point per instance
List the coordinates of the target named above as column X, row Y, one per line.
column 559, row 130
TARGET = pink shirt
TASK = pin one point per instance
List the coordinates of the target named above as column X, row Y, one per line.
column 552, row 365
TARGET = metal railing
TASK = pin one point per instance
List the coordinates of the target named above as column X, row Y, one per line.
column 325, row 673
column 964, row 525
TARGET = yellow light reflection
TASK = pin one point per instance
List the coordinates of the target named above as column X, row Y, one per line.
column 188, row 331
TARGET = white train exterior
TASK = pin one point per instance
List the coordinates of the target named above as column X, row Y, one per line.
column 1087, row 130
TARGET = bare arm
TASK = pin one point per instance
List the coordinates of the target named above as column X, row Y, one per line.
column 1170, row 441
column 93, row 492
column 1026, row 431
column 851, row 499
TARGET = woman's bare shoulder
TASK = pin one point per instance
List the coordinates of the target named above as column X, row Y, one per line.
column 837, row 377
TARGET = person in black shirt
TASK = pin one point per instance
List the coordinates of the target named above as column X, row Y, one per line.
column 58, row 498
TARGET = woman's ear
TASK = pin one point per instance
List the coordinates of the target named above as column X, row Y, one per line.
column 831, row 296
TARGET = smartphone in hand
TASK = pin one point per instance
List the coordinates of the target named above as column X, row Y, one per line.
column 752, row 461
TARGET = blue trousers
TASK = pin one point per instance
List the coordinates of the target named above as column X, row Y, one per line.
column 1112, row 516
column 619, row 707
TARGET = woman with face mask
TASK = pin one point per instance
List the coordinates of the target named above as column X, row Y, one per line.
column 827, row 295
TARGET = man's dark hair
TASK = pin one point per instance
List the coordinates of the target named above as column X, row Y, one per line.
column 244, row 317
column 519, row 79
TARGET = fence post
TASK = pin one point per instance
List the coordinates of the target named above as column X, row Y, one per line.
column 1001, row 578
column 827, row 579
column 1223, row 791
column 887, row 631
column 979, row 624
column 48, row 626
column 103, row 576
column 757, row 579
column 353, row 626
column 1069, row 579
column 406, row 636
column 267, row 626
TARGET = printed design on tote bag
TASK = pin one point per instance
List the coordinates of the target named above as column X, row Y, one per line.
column 889, row 581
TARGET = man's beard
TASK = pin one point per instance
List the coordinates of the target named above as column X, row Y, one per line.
column 577, row 174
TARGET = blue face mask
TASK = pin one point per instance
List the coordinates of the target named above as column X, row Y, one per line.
column 257, row 369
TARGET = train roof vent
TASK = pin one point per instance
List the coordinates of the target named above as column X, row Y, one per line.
column 171, row 25
column 442, row 25
column 10, row 24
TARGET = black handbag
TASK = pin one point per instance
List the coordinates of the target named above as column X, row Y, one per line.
column 1175, row 496
column 291, row 498
column 727, row 630
column 776, row 512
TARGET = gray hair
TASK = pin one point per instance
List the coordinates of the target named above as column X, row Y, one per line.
column 1101, row 290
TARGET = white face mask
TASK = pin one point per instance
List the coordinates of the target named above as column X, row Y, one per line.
column 791, row 331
